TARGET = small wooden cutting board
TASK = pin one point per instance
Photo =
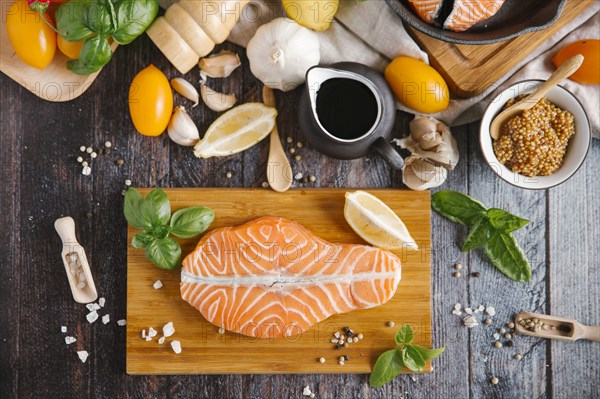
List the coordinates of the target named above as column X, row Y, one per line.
column 205, row 351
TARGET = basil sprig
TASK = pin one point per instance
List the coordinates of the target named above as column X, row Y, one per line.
column 95, row 20
column 489, row 228
column 413, row 357
column 153, row 215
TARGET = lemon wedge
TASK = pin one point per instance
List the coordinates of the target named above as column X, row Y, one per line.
column 237, row 130
column 375, row 222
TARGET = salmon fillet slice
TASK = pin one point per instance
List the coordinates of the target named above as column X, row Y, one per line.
column 467, row 13
column 427, row 10
column 272, row 278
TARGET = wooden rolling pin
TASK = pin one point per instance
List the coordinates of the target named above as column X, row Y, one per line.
column 190, row 29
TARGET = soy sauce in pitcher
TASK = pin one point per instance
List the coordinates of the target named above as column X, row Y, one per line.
column 346, row 108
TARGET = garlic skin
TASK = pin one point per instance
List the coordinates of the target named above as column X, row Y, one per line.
column 431, row 139
column 182, row 129
column 281, row 52
column 216, row 101
column 186, row 89
column 220, row 65
column 418, row 174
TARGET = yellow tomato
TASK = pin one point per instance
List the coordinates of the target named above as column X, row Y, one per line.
column 417, row 85
column 33, row 40
column 150, row 101
column 70, row 49
column 589, row 71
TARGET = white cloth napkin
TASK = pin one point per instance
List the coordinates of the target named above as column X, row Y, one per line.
column 369, row 32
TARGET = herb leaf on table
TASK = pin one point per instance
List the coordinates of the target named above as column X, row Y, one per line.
column 458, row 207
column 390, row 363
column 504, row 252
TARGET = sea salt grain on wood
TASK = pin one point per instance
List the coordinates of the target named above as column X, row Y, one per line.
column 470, row 321
column 490, row 310
column 176, row 345
column 101, row 302
column 63, row 329
column 157, row 284
column 122, row 322
column 105, row 319
column 151, row 332
column 70, row 340
column 92, row 316
column 168, row 329
column 83, row 355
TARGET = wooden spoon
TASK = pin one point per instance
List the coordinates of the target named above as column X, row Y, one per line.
column 563, row 72
column 558, row 328
column 279, row 170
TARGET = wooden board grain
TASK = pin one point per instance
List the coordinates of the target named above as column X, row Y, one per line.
column 205, row 351
column 470, row 70
column 54, row 83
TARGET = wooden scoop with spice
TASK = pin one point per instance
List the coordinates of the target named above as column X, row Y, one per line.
column 76, row 264
column 554, row 327
column 565, row 70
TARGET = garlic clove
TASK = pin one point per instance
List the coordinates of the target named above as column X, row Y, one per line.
column 418, row 174
column 186, row 89
column 216, row 101
column 182, row 129
column 220, row 65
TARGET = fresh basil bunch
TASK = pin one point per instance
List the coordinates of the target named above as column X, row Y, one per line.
column 390, row 363
column 95, row 20
column 153, row 215
column 489, row 228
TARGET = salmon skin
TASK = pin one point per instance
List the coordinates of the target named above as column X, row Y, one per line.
column 273, row 278
column 467, row 13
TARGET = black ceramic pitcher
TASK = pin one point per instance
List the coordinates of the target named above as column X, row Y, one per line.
column 351, row 132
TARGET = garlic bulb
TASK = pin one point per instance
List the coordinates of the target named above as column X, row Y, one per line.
column 418, row 174
column 182, row 128
column 220, row 65
column 431, row 139
column 281, row 52
column 216, row 101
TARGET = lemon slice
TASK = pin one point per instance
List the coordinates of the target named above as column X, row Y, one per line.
column 237, row 130
column 375, row 222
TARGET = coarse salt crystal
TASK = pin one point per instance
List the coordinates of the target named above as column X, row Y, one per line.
column 470, row 321
column 151, row 332
column 144, row 333
column 83, row 355
column 148, row 338
column 457, row 312
column 490, row 310
column 96, row 306
column 105, row 319
column 476, row 310
column 496, row 336
column 176, row 345
column 468, row 311
column 457, row 306
column 70, row 340
column 306, row 391
column 101, row 302
column 168, row 329
column 92, row 316
column 161, row 340
column 337, row 334
column 86, row 171
column 90, row 307
column 481, row 308
column 221, row 330
column 63, row 329
column 157, row 284
column 122, row 322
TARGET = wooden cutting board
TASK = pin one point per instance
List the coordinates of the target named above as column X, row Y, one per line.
column 470, row 70
column 205, row 351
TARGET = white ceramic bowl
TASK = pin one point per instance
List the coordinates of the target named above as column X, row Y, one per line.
column 576, row 150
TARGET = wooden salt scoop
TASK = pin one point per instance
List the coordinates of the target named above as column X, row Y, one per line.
column 558, row 327
column 76, row 263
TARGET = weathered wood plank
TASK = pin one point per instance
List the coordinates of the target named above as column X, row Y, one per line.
column 574, row 281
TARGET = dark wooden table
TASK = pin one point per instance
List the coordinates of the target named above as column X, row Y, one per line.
column 41, row 181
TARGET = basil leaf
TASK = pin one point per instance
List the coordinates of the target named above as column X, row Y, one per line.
column 133, row 18
column 190, row 222
column 97, row 16
column 142, row 239
column 387, row 367
column 95, row 53
column 164, row 253
column 504, row 252
column 69, row 21
column 412, row 358
column 504, row 221
column 428, row 354
column 132, row 209
column 156, row 209
column 478, row 235
column 404, row 335
column 458, row 207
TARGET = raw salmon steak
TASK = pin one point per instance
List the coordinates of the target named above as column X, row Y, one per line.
column 272, row 278
column 467, row 13
column 427, row 10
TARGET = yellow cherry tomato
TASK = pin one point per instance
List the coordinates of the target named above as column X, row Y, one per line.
column 150, row 101
column 589, row 71
column 417, row 85
column 70, row 49
column 33, row 40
